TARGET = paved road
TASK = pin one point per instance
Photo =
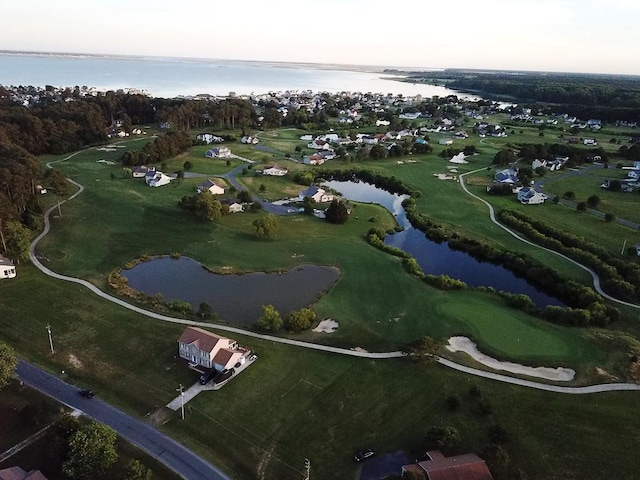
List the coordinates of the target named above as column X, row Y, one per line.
column 179, row 459
column 492, row 216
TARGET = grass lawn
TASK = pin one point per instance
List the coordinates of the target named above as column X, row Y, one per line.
column 293, row 403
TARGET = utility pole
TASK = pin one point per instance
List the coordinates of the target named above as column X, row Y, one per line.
column 181, row 390
column 307, row 467
column 50, row 338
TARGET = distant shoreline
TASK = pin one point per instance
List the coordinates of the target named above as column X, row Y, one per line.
column 308, row 65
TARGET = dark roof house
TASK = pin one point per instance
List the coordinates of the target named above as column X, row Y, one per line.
column 17, row 473
column 460, row 467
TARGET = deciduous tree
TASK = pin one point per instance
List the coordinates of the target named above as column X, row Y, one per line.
column 91, row 451
column 8, row 363
column 266, row 227
column 270, row 319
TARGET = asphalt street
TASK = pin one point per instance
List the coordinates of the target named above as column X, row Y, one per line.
column 176, row 457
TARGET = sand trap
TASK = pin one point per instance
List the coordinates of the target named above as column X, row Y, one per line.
column 459, row 158
column 463, row 344
column 75, row 362
column 106, row 162
column 399, row 162
column 106, row 149
column 444, row 176
column 327, row 326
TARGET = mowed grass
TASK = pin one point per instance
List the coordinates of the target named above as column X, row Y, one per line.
column 292, row 403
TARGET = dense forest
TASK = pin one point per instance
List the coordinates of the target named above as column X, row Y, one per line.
column 606, row 97
column 57, row 122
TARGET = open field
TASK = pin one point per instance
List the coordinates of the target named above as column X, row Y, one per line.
column 293, row 403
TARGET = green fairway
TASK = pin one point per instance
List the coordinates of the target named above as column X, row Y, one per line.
column 294, row 403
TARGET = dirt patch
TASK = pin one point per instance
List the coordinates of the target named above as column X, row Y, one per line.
column 75, row 362
column 605, row 374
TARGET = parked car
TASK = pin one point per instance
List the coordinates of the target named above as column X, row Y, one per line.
column 87, row 393
column 364, row 454
column 224, row 375
column 206, row 377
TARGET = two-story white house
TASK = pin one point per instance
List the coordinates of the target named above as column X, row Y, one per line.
column 202, row 348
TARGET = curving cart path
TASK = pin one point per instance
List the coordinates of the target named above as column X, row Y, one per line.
column 609, row 387
column 594, row 275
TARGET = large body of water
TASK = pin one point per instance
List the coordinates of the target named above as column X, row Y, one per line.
column 437, row 258
column 171, row 77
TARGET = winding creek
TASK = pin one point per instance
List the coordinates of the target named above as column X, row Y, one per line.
column 437, row 258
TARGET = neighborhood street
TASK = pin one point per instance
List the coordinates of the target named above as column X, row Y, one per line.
column 176, row 457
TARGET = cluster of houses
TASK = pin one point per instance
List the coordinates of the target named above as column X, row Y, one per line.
column 527, row 195
column 526, row 115
column 629, row 184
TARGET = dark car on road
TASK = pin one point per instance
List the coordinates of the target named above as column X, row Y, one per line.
column 364, row 454
column 87, row 393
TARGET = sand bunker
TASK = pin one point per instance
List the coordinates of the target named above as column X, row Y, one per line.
column 327, row 326
column 463, row 344
column 106, row 162
column 444, row 176
column 459, row 158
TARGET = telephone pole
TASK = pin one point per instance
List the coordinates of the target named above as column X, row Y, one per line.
column 307, row 467
column 181, row 390
column 50, row 338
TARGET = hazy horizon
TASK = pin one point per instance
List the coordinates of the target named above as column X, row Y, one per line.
column 585, row 36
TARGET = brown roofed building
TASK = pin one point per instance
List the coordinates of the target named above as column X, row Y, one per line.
column 459, row 467
column 16, row 473
column 207, row 349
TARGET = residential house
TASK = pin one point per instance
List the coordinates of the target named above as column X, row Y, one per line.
column 633, row 174
column 7, row 268
column 232, row 205
column 369, row 140
column 249, row 139
column 590, row 141
column 141, row 171
column 382, row 123
column 315, row 159
column 319, row 144
column 638, row 249
column 530, row 196
column 508, row 175
column 461, row 134
column 409, row 115
column 316, row 194
column 538, row 163
column 445, row 141
column 214, row 186
column 306, row 138
column 218, row 152
column 157, row 179
column 275, row 171
column 438, row 467
column 205, row 349
column 208, row 138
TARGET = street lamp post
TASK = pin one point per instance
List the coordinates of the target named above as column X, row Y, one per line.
column 181, row 390
column 50, row 338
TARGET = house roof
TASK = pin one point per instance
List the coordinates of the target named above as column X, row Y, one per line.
column 311, row 191
column 6, row 262
column 208, row 183
column 205, row 341
column 460, row 467
column 17, row 473
column 225, row 357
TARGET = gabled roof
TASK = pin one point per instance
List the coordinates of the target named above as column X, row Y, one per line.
column 311, row 191
column 459, row 467
column 17, row 473
column 205, row 341
column 6, row 262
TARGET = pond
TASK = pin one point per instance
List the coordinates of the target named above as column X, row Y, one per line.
column 437, row 258
column 236, row 298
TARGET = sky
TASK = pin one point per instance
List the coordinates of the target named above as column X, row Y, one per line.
column 596, row 36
